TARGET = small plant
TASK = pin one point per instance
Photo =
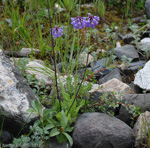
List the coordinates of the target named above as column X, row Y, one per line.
column 100, row 6
column 21, row 65
column 69, row 5
column 147, row 52
column 126, row 60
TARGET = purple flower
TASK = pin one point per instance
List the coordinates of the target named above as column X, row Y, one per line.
column 57, row 31
column 79, row 22
column 92, row 21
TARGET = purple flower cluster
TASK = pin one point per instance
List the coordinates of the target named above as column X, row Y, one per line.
column 57, row 31
column 92, row 21
column 81, row 22
column 78, row 23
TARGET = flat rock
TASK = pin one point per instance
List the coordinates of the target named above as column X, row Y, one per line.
column 25, row 52
column 145, row 40
column 113, row 74
column 15, row 96
column 39, row 72
column 113, row 85
column 98, row 130
column 128, row 50
column 137, row 19
column 142, row 77
column 16, row 60
column 133, row 67
column 127, row 38
column 100, row 65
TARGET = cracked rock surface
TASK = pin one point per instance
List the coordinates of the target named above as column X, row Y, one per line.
column 142, row 77
column 15, row 96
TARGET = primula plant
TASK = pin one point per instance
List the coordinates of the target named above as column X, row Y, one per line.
column 57, row 121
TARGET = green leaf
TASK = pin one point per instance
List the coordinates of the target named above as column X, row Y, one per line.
column 61, row 138
column 47, row 113
column 37, row 122
column 64, row 119
column 59, row 116
column 54, row 132
column 68, row 129
column 30, row 110
column 78, row 108
column 51, row 121
column 69, row 138
column 37, row 106
column 49, row 126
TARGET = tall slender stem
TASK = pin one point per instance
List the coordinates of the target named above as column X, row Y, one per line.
column 82, row 78
column 53, row 53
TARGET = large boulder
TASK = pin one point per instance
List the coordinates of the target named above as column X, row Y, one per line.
column 98, row 130
column 139, row 100
column 15, row 97
column 142, row 77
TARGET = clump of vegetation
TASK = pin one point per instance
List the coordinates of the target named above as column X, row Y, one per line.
column 62, row 34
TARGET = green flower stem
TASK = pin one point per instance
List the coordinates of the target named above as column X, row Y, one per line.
column 53, row 53
column 83, row 75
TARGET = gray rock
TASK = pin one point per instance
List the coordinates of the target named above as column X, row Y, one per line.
column 138, row 19
column 53, row 143
column 113, row 74
column 113, row 85
column 145, row 40
column 146, row 34
column 40, row 72
column 16, row 60
column 9, row 22
column 81, row 72
column 142, row 77
column 23, row 53
column 141, row 128
column 134, row 66
column 5, row 137
column 144, row 44
column 83, row 60
column 15, row 97
column 98, row 130
column 128, row 50
column 139, row 100
column 147, row 8
column 127, row 38
column 98, row 65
